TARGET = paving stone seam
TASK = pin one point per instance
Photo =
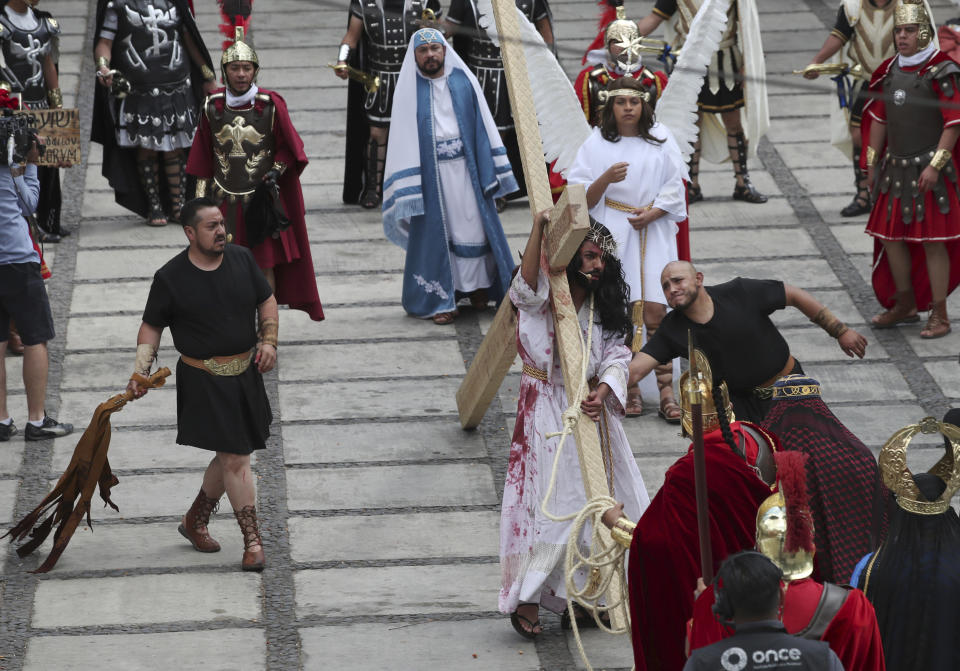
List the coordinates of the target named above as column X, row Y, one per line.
column 344, row 465
column 149, row 628
column 395, row 510
column 338, row 564
column 18, row 586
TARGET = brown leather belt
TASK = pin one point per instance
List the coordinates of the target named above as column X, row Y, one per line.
column 765, row 390
column 228, row 366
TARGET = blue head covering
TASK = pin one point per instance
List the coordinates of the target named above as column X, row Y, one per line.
column 427, row 36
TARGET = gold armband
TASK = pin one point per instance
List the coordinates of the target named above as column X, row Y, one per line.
column 268, row 331
column 622, row 532
column 279, row 166
column 55, row 98
column 871, row 157
column 146, row 353
column 200, row 191
column 829, row 323
column 103, row 62
column 207, row 73
column 940, row 159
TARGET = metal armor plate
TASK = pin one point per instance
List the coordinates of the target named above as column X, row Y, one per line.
column 914, row 122
column 388, row 32
column 243, row 147
column 24, row 53
column 149, row 34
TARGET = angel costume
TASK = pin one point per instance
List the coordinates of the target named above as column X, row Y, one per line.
column 532, row 546
column 654, row 178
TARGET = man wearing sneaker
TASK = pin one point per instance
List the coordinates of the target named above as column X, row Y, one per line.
column 23, row 297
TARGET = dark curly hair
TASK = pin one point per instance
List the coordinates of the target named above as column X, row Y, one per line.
column 608, row 122
column 612, row 297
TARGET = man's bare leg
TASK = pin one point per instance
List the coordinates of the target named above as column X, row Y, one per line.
column 194, row 524
column 238, row 483
column 904, row 309
column 35, row 379
column 861, row 201
column 375, row 159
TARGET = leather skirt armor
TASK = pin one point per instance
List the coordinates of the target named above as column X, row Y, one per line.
column 914, row 126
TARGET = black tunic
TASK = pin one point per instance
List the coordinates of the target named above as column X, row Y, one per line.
column 213, row 313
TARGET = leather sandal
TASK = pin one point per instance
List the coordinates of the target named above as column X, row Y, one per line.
column 584, row 619
column 634, row 407
column 694, row 193
column 669, row 411
column 253, row 560
column 194, row 524
column 938, row 325
column 904, row 311
column 444, row 318
column 516, row 619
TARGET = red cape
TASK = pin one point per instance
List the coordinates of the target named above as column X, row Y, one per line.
column 289, row 255
column 882, row 279
column 853, row 633
column 665, row 555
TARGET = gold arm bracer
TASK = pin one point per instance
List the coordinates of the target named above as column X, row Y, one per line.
column 207, row 73
column 202, row 188
column 146, row 353
column 55, row 98
column 829, row 323
column 940, row 159
column 269, row 329
column 871, row 156
column 622, row 532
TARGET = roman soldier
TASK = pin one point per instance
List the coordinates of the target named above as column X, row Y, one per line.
column 154, row 71
column 482, row 56
column 247, row 157
column 911, row 124
column 29, row 44
column 378, row 33
column 742, row 111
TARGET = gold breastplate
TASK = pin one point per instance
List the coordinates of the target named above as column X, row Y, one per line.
column 872, row 41
column 243, row 147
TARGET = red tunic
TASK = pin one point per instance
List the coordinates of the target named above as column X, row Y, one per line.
column 289, row 254
column 935, row 226
column 665, row 556
column 852, row 633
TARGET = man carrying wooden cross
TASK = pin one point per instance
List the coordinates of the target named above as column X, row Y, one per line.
column 532, row 545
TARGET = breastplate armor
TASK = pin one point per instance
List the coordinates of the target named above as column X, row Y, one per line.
column 148, row 35
column 388, row 33
column 872, row 41
column 243, row 147
column 24, row 53
column 483, row 53
column 914, row 122
column 687, row 10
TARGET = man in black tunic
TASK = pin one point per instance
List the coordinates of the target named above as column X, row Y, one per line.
column 731, row 324
column 208, row 295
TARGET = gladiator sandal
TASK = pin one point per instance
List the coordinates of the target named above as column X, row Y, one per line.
column 694, row 192
column 195, row 522
column 904, row 311
column 373, row 175
column 861, row 202
column 176, row 172
column 744, row 191
column 247, row 519
column 938, row 325
column 147, row 169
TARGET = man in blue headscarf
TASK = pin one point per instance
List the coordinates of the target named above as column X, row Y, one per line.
column 445, row 166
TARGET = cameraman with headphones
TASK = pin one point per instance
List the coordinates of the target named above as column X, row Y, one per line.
column 749, row 596
column 23, row 295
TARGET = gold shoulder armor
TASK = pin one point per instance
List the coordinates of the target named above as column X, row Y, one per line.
column 264, row 97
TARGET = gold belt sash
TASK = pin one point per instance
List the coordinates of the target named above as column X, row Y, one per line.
column 617, row 205
column 535, row 372
column 224, row 366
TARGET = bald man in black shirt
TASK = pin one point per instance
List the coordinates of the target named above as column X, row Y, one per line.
column 731, row 324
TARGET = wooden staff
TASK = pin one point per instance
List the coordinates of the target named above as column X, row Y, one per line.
column 695, row 394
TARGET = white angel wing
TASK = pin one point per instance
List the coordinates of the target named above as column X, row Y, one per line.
column 563, row 127
column 677, row 107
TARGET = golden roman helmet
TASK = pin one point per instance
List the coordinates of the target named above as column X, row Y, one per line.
column 239, row 51
column 910, row 12
column 784, row 521
column 623, row 33
column 688, row 390
column 898, row 477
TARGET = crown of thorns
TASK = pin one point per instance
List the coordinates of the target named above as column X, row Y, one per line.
column 602, row 238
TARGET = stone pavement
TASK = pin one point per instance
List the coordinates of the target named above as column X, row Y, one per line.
column 380, row 515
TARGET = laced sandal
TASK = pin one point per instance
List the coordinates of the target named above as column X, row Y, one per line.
column 938, row 324
column 670, row 411
column 176, row 172
column 584, row 619
column 744, row 191
column 193, row 527
column 147, row 170
column 372, row 194
column 904, row 311
column 694, row 192
column 861, row 202
column 634, row 407
column 253, row 559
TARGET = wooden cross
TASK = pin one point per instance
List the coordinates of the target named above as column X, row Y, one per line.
column 569, row 224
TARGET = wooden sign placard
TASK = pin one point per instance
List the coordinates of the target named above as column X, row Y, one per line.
column 60, row 130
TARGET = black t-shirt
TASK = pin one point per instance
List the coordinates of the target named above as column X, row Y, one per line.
column 745, row 349
column 209, row 312
column 764, row 645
